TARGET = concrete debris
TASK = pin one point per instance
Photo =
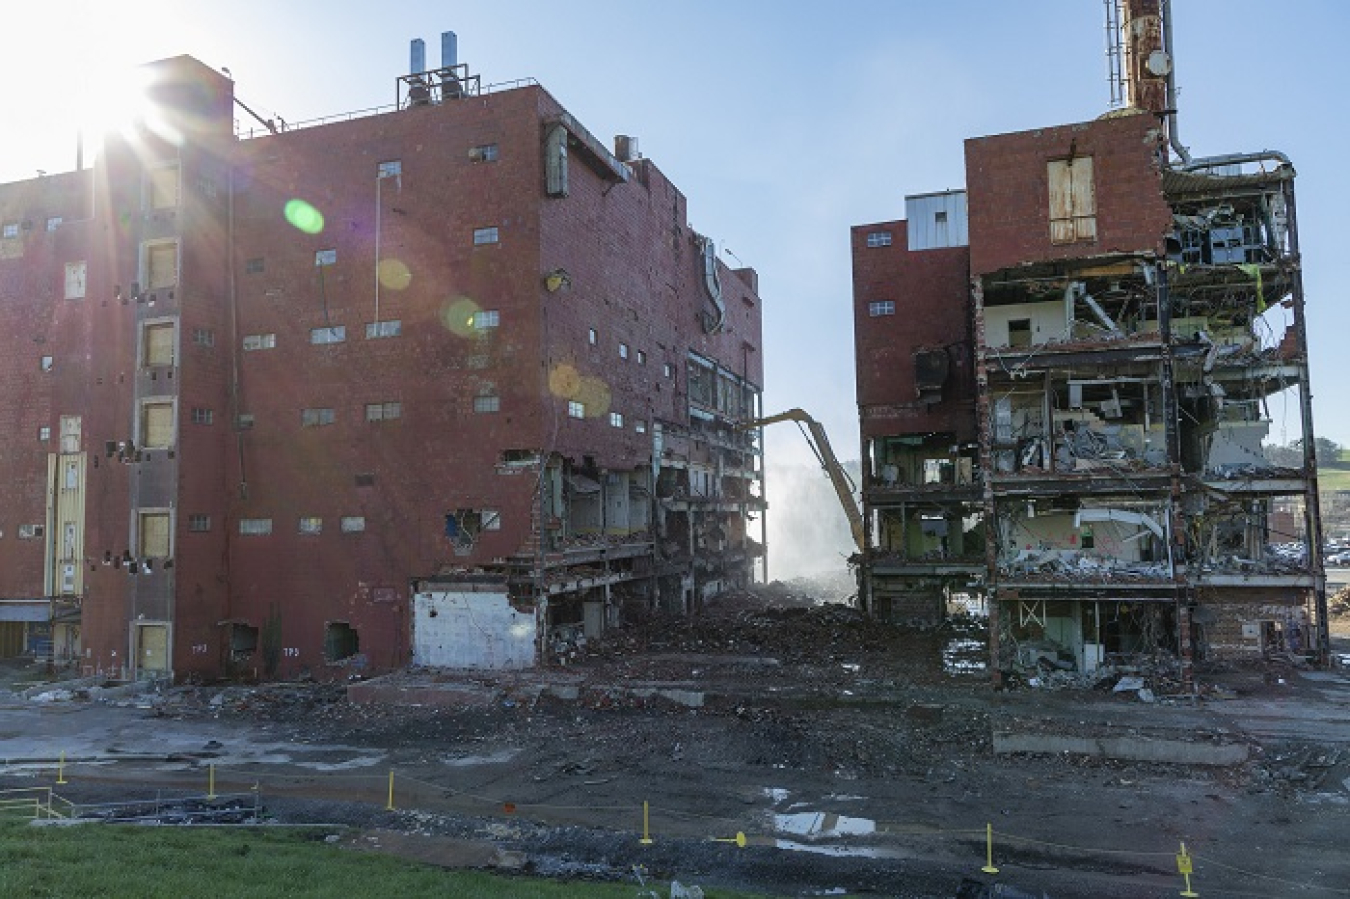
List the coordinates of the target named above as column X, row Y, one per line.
column 1074, row 565
column 680, row 891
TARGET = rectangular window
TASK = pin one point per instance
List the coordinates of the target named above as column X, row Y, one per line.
column 879, row 238
column 335, row 334
column 667, row 370
column 157, row 424
column 484, row 236
column 45, row 432
column 1019, row 332
column 316, row 417
column 383, row 411
column 54, row 222
column 204, row 337
column 487, row 404
column 392, row 328
column 642, row 357
column 31, row 531
column 623, row 351
column 255, row 266
column 161, row 187
column 1073, row 200
column 199, row 524
column 311, row 525
column 260, row 342
column 576, row 409
column 203, row 416
column 46, row 363
column 154, row 535
column 11, row 230
column 161, row 265
column 76, row 279
column 244, row 421
column 483, row 153
column 353, row 524
column 640, row 426
column 325, row 257
column 389, row 169
column 616, row 419
column 592, row 337
column 72, row 427
column 884, row 307
column 486, row 318
column 365, row 480
column 255, row 527
column 157, row 348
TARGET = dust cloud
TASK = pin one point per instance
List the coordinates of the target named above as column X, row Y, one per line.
column 809, row 534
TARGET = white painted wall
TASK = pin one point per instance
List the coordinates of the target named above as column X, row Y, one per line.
column 1047, row 321
column 471, row 629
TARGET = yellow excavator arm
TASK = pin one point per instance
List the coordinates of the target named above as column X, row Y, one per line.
column 815, row 435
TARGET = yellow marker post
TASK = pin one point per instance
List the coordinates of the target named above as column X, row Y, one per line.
column 61, row 769
column 738, row 839
column 211, row 783
column 390, row 806
column 646, row 825
column 989, row 850
column 1184, row 867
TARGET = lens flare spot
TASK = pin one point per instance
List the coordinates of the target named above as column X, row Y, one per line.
column 594, row 394
column 457, row 315
column 303, row 216
column 394, row 275
column 564, row 381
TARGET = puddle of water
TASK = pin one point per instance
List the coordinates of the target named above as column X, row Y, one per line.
column 965, row 655
column 341, row 766
column 499, row 757
column 838, row 851
column 823, row 825
column 776, row 794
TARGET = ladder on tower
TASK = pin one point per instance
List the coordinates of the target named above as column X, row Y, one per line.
column 1114, row 78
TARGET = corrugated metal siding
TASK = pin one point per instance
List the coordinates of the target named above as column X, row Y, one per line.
column 937, row 220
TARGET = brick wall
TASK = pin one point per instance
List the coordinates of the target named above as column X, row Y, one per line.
column 1008, row 191
column 931, row 293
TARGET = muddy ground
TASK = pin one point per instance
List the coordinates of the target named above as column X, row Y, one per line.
column 853, row 755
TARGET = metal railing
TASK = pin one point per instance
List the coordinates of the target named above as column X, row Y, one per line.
column 258, row 131
column 34, row 803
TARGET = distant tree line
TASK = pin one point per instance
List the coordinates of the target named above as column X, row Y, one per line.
column 1328, row 452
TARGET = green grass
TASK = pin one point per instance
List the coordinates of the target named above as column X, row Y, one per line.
column 97, row 860
column 1329, row 479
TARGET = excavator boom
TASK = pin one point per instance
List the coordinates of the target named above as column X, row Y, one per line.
column 821, row 443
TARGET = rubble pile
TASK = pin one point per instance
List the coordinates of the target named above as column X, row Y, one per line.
column 1071, row 565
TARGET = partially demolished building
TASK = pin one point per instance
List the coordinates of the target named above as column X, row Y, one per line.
column 447, row 382
column 1063, row 382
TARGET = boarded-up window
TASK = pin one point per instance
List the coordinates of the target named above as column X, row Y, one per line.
column 157, row 425
column 1073, row 200
column 154, row 535
column 161, row 187
column 71, row 430
column 159, row 344
column 161, row 265
column 77, row 274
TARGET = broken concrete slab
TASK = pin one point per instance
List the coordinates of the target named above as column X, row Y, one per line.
column 1128, row 748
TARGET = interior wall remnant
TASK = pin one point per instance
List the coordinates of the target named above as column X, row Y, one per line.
column 471, row 626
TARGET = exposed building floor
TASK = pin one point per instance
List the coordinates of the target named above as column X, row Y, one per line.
column 853, row 755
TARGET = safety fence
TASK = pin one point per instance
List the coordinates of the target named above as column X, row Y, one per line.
column 401, row 791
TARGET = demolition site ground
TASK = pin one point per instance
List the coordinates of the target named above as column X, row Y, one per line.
column 856, row 757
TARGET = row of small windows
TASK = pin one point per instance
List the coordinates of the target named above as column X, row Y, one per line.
column 593, row 338
column 483, row 320
column 11, row 230
column 309, row 525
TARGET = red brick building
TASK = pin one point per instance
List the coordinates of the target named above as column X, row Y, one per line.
column 446, row 384
column 1062, row 374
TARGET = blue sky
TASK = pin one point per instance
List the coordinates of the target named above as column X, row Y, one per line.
column 783, row 123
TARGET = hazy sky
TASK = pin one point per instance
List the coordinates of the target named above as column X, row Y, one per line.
column 783, row 122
